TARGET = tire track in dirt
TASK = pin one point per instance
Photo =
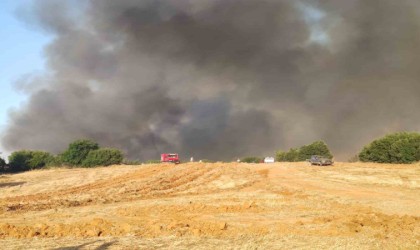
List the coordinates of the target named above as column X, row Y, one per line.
column 90, row 186
column 47, row 200
column 153, row 182
column 210, row 200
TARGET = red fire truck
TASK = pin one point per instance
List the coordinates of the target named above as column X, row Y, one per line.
column 174, row 158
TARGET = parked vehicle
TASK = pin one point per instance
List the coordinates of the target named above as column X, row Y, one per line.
column 269, row 159
column 320, row 160
column 173, row 158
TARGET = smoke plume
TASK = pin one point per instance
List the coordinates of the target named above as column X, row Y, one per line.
column 221, row 79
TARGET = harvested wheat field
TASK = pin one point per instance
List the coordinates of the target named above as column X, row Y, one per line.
column 213, row 206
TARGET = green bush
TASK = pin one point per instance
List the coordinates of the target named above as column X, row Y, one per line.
column 78, row 151
column 252, row 159
column 131, row 162
column 153, row 162
column 103, row 157
column 55, row 161
column 27, row 160
column 290, row 156
column 403, row 147
column 305, row 152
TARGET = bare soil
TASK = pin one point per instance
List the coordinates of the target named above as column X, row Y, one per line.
column 213, row 206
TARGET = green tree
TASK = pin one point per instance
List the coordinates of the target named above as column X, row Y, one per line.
column 402, row 147
column 28, row 160
column 290, row 156
column 304, row 152
column 281, row 155
column 103, row 157
column 78, row 151
column 315, row 148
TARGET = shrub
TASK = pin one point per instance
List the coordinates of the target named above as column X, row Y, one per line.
column 27, row 160
column 354, row 158
column 55, row 161
column 78, row 151
column 252, row 159
column 153, row 162
column 131, row 162
column 281, row 155
column 103, row 157
column 305, row 152
column 290, row 156
column 400, row 147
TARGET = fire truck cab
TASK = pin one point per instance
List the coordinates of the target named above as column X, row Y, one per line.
column 174, row 158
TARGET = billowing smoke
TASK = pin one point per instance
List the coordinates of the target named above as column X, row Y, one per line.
column 220, row 79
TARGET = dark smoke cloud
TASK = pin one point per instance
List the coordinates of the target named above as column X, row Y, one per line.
column 221, row 79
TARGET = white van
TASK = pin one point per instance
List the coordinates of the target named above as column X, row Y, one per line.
column 269, row 159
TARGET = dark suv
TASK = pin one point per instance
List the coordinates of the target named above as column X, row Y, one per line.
column 320, row 160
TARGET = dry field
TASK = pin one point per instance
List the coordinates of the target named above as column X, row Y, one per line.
column 213, row 206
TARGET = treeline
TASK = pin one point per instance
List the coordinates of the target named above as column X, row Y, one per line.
column 295, row 154
column 401, row 147
column 80, row 153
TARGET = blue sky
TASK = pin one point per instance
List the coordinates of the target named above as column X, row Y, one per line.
column 21, row 53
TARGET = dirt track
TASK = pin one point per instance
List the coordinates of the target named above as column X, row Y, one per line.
column 282, row 205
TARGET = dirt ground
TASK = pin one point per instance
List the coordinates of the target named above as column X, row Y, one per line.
column 213, row 206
